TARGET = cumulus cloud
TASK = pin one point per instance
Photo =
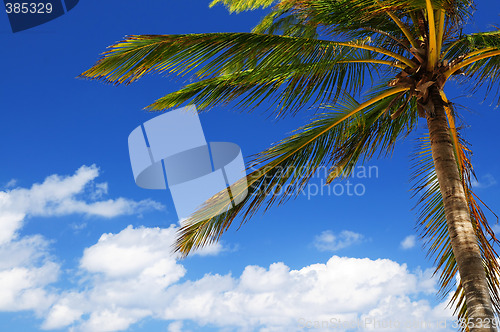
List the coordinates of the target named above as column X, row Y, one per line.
column 175, row 327
column 112, row 320
column 328, row 241
column 61, row 315
column 132, row 275
column 267, row 299
column 27, row 267
column 134, row 252
column 129, row 274
column 409, row 242
column 280, row 299
column 64, row 195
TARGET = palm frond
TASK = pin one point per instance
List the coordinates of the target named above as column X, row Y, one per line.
column 466, row 44
column 404, row 29
column 457, row 11
column 382, row 21
column 289, row 86
column 307, row 19
column 477, row 57
column 282, row 21
column 350, row 132
column 386, row 122
column 336, row 18
column 238, row 6
column 257, row 64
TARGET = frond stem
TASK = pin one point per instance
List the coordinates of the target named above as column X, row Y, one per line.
column 382, row 62
column 432, row 47
column 471, row 54
column 383, row 33
column 440, row 32
column 471, row 60
column 403, row 28
column 381, row 51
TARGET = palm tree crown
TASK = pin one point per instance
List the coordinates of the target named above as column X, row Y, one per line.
column 398, row 56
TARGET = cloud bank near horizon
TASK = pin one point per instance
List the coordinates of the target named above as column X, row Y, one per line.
column 131, row 275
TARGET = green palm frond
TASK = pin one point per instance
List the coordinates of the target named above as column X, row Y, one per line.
column 237, row 6
column 473, row 42
column 457, row 11
column 351, row 19
column 477, row 57
column 350, row 131
column 290, row 86
column 344, row 17
column 393, row 25
column 282, row 21
column 434, row 230
column 348, row 17
column 295, row 19
column 377, row 132
column 258, row 65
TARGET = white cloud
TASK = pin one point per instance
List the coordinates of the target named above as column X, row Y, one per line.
column 27, row 269
column 268, row 299
column 63, row 195
column 487, row 180
column 496, row 228
column 328, row 241
column 112, row 320
column 210, row 250
column 10, row 222
column 77, row 227
column 131, row 275
column 175, row 327
column 100, row 190
column 134, row 252
column 11, row 183
column 409, row 242
column 60, row 316
column 278, row 297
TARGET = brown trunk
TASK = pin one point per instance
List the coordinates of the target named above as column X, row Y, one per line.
column 460, row 229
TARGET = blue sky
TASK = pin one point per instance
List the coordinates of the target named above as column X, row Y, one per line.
column 82, row 248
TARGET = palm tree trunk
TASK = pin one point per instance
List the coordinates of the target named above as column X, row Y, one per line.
column 460, row 229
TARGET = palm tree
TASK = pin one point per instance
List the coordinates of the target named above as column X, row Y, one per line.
column 320, row 54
